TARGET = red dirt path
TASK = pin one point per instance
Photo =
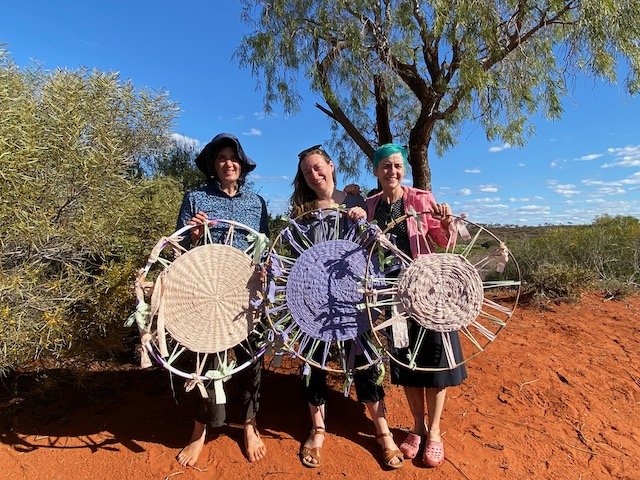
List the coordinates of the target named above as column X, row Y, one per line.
column 557, row 396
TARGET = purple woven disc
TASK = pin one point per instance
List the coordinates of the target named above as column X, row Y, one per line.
column 324, row 288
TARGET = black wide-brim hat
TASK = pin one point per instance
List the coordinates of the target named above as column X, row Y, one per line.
column 205, row 158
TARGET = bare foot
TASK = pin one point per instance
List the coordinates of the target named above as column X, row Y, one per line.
column 253, row 444
column 188, row 456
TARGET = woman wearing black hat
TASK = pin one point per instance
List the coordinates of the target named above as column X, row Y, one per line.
column 226, row 166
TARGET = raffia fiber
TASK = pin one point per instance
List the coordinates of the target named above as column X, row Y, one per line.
column 442, row 292
column 205, row 298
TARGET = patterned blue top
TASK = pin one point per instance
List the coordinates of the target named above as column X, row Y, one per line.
column 246, row 207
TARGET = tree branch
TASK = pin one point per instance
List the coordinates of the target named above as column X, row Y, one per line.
column 515, row 39
column 335, row 111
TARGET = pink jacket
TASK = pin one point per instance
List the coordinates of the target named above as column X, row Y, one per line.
column 420, row 201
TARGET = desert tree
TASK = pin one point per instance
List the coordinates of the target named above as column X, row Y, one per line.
column 414, row 71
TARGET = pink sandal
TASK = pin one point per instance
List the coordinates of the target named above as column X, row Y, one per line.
column 411, row 445
column 433, row 455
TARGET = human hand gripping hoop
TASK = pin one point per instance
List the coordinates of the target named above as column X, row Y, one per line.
column 204, row 300
column 465, row 287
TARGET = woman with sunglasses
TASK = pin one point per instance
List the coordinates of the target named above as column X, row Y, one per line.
column 315, row 188
column 425, row 390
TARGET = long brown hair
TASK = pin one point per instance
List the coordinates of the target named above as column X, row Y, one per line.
column 303, row 197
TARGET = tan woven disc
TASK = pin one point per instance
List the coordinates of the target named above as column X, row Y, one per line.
column 441, row 291
column 205, row 298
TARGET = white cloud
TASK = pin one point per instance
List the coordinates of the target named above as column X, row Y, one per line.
column 626, row 157
column 521, row 199
column 611, row 191
column 488, row 188
column 263, row 115
column 533, row 209
column 624, row 151
column 499, row 148
column 632, row 180
column 591, row 156
column 589, row 183
column 566, row 189
column 254, row 132
column 485, row 200
column 185, row 142
column 464, row 192
column 623, row 163
column 553, row 164
column 501, row 206
column 521, row 164
column 472, row 170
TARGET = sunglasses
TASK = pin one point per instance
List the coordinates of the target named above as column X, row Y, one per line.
column 306, row 151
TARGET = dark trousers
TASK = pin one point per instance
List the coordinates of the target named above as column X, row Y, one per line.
column 367, row 390
column 215, row 415
column 247, row 381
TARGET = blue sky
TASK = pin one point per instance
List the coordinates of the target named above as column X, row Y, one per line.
column 572, row 170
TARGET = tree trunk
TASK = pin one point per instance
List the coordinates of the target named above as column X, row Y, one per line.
column 419, row 140
column 383, row 127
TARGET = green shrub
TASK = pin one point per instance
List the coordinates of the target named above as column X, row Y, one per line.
column 560, row 283
column 615, row 289
column 77, row 214
column 609, row 250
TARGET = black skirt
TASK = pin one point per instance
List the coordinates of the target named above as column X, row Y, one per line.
column 431, row 354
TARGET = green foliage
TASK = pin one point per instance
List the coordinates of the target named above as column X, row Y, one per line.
column 178, row 162
column 76, row 211
column 608, row 251
column 616, row 289
column 414, row 71
column 276, row 225
column 560, row 282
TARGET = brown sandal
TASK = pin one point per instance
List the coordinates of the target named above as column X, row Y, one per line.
column 314, row 452
column 389, row 454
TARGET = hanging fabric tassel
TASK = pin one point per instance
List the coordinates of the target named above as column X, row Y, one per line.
column 381, row 372
column 260, row 244
column 306, row 373
column 348, row 381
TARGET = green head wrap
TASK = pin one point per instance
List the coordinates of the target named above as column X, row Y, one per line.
column 387, row 150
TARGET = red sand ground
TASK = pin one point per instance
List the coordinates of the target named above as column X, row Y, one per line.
column 557, row 396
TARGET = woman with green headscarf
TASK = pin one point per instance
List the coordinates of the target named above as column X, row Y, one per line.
column 425, row 390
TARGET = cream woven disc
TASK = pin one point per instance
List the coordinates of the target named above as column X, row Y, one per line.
column 442, row 292
column 205, row 298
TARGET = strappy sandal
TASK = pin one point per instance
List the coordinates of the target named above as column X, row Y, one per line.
column 433, row 455
column 388, row 454
column 411, row 445
column 312, row 452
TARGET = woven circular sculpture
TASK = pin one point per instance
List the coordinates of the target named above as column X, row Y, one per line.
column 203, row 300
column 452, row 299
column 324, row 289
column 441, row 292
column 206, row 294
column 315, row 290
